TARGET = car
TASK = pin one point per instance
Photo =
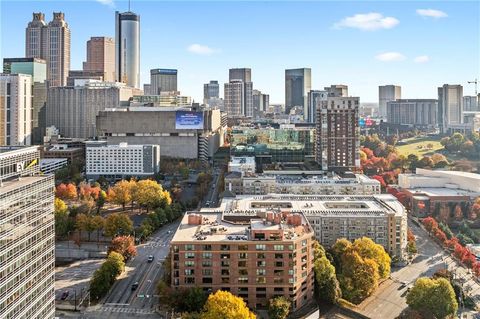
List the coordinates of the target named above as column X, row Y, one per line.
column 169, row 232
column 402, row 285
column 150, row 258
column 64, row 295
column 135, row 286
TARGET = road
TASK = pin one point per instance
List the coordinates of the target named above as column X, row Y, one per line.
column 389, row 300
column 122, row 300
column 212, row 195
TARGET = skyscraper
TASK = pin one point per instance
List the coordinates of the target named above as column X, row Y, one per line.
column 470, row 103
column 211, row 90
column 37, row 68
column 298, row 82
column 337, row 90
column 314, row 98
column 27, row 237
column 101, row 57
column 15, row 109
column 338, row 137
column 127, row 48
column 163, row 80
column 52, row 43
column 238, row 93
column 450, row 106
column 387, row 93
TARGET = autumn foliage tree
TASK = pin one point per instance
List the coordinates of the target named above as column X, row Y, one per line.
column 118, row 224
column 124, row 245
column 278, row 308
column 121, row 193
column 223, row 305
column 66, row 191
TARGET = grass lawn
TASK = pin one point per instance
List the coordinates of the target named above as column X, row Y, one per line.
column 417, row 145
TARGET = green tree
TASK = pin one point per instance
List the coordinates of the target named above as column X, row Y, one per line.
column 99, row 284
column 194, row 299
column 102, row 198
column 118, row 224
column 82, row 224
column 433, row 297
column 278, row 308
column 318, row 250
column 327, row 283
column 367, row 248
column 224, row 305
column 98, row 224
column 149, row 194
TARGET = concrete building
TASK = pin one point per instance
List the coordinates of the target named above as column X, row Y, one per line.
column 79, row 77
column 51, row 165
column 72, row 152
column 15, row 109
column 470, row 103
column 27, row 237
column 50, row 42
column 101, row 57
column 260, row 103
column 439, row 192
column 127, row 48
column 450, row 106
column 387, row 93
column 250, row 183
column 73, row 109
column 243, row 164
column 183, row 133
column 421, row 113
column 238, row 93
column 314, row 97
column 120, row 161
column 298, row 82
column 211, row 90
column 37, row 68
column 338, row 139
column 255, row 255
column 165, row 99
column 163, row 80
column 337, row 90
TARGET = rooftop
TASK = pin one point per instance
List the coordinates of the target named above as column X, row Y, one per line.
column 13, row 184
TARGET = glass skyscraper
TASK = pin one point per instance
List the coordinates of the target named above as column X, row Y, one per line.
column 127, row 48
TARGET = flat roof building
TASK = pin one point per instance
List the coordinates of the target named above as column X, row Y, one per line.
column 255, row 255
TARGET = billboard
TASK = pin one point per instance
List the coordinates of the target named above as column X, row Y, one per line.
column 187, row 120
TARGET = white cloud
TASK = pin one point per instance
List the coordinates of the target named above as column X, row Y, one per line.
column 200, row 49
column 421, row 59
column 390, row 57
column 367, row 22
column 109, row 3
column 432, row 13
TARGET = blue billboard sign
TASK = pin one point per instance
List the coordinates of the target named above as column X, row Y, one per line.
column 186, row 120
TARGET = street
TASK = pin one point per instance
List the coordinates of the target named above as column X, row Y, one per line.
column 389, row 300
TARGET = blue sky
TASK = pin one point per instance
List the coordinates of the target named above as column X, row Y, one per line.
column 361, row 44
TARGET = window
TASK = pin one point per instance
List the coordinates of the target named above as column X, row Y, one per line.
column 260, row 247
column 279, row 264
column 189, row 255
column 242, row 247
column 207, row 272
column 277, row 247
column 207, row 280
column 189, row 272
column 207, row 255
column 189, row 263
column 243, row 272
column 261, row 272
column 225, row 272
column 242, row 255
column 260, row 256
column 206, row 263
column 261, row 280
column 278, row 256
column 207, row 247
column 225, row 247
column 243, row 280
column 190, row 247
column 261, row 263
column 242, row 263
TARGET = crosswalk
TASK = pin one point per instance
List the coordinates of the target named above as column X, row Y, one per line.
column 127, row 310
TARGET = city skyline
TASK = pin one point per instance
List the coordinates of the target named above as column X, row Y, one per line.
column 377, row 43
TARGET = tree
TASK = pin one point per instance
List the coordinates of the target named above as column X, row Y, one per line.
column 66, row 191
column 101, row 199
column 278, row 308
column 433, row 297
column 98, row 223
column 118, row 224
column 318, row 250
column 82, row 224
column 327, row 283
column 193, row 299
column 150, row 194
column 60, row 206
column 367, row 248
column 224, row 305
column 121, row 193
column 124, row 245
column 115, row 263
column 430, row 224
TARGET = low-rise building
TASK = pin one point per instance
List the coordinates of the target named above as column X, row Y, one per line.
column 300, row 183
column 73, row 153
column 256, row 255
column 51, row 165
column 120, row 161
column 421, row 113
column 438, row 192
column 242, row 164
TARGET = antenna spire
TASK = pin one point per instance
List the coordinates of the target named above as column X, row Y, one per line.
column 128, row 5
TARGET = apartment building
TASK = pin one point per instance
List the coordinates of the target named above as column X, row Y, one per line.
column 256, row 255
column 27, row 247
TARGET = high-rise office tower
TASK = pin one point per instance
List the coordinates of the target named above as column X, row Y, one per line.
column 101, row 57
column 471, row 103
column 387, row 93
column 50, row 42
column 450, row 106
column 421, row 113
column 314, row 98
column 163, row 80
column 127, row 48
column 338, row 136
column 37, row 68
column 238, row 93
column 337, row 90
column 15, row 109
column 27, row 237
column 298, row 82
column 211, row 90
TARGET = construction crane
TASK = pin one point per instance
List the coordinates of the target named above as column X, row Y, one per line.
column 474, row 82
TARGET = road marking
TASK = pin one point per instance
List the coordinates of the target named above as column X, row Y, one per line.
column 116, row 304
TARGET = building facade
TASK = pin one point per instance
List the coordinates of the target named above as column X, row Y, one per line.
column 337, row 90
column 163, row 80
column 238, row 93
column 15, row 109
column 420, row 113
column 387, row 93
column 101, row 57
column 73, row 110
column 127, row 48
column 50, row 42
column 338, row 139
column 211, row 90
column 470, row 103
column 116, row 162
column 255, row 256
column 450, row 106
column 37, row 68
column 298, row 82
column 314, row 97
column 27, row 239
